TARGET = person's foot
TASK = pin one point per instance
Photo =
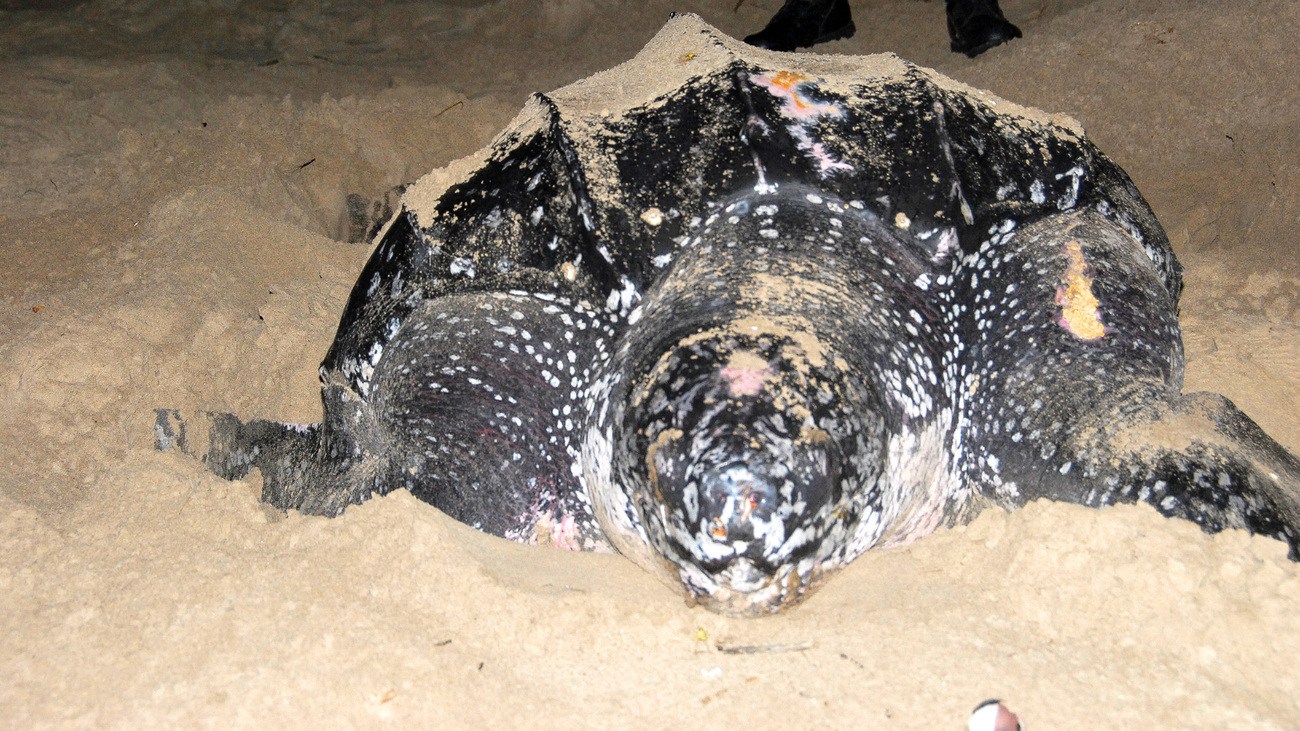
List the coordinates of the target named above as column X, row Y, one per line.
column 991, row 715
column 803, row 23
column 975, row 26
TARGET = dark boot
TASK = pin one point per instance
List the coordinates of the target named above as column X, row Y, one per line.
column 975, row 26
column 803, row 23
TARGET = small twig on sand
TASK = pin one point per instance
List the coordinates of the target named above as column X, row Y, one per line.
column 449, row 108
column 756, row 649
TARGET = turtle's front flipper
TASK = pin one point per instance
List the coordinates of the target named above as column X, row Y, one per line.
column 287, row 454
column 1072, row 378
column 1195, row 456
column 471, row 405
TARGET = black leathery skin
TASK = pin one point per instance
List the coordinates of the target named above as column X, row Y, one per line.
column 474, row 394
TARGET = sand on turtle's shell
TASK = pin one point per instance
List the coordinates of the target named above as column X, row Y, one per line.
column 170, row 178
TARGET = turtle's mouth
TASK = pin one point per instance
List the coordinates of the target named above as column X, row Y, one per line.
column 746, row 589
column 749, row 546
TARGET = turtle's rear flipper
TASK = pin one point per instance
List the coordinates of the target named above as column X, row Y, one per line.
column 363, row 218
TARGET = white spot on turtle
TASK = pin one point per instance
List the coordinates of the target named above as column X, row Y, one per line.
column 1069, row 200
column 462, row 265
column 1037, row 193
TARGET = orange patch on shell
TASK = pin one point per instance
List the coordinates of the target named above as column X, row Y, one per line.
column 1079, row 314
column 785, row 85
column 787, row 79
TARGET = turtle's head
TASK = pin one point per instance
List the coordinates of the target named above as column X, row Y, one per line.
column 747, row 455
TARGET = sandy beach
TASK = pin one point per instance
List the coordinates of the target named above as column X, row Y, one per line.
column 173, row 181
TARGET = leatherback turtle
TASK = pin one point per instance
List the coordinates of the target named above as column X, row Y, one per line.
column 743, row 315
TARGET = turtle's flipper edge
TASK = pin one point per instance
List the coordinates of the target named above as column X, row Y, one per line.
column 1193, row 456
column 1213, row 465
column 287, row 454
